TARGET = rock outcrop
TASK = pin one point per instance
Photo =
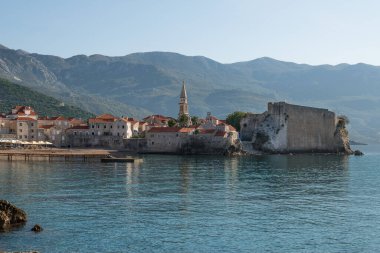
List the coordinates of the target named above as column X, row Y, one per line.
column 37, row 228
column 10, row 215
column 341, row 136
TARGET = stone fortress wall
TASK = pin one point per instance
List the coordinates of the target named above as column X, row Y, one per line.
column 286, row 128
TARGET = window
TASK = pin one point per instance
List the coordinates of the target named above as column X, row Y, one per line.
column 32, row 130
column 25, row 136
column 75, row 133
column 92, row 133
column 32, row 136
column 20, row 130
column 97, row 126
column 92, row 126
column 111, row 126
column 20, row 124
column 20, row 136
column 32, row 124
column 152, row 142
column 105, row 126
column 122, row 127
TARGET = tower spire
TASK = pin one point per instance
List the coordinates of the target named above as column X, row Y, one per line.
column 183, row 91
column 183, row 114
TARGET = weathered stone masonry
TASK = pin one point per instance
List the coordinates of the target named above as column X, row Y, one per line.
column 286, row 128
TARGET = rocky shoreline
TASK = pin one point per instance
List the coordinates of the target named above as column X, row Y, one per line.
column 11, row 216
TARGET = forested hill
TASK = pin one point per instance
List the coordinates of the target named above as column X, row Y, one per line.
column 12, row 94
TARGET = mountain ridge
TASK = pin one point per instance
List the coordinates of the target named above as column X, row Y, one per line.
column 145, row 83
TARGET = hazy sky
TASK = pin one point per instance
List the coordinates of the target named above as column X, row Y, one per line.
column 303, row 31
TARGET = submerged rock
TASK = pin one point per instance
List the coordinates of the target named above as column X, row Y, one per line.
column 358, row 153
column 10, row 215
column 37, row 228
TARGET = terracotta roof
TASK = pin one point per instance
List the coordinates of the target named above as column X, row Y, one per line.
column 106, row 117
column 186, row 130
column 53, row 118
column 22, row 113
column 206, row 131
column 21, row 109
column 26, row 119
column 46, row 126
column 164, row 130
column 59, row 118
column 99, row 121
column 75, row 120
column 231, row 128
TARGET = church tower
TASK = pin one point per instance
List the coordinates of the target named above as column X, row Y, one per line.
column 183, row 106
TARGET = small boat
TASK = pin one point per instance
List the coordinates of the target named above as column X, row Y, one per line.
column 112, row 159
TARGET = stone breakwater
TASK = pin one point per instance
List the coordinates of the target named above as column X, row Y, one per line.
column 10, row 215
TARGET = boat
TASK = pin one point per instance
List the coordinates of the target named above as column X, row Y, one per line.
column 112, row 159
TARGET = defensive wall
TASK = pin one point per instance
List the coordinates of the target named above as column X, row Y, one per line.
column 286, row 128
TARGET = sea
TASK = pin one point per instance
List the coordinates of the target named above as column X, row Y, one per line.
column 167, row 203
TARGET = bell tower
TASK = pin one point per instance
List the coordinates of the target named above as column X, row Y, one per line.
column 183, row 106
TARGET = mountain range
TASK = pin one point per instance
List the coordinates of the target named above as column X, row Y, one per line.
column 140, row 84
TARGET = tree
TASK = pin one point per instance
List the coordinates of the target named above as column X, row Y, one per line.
column 183, row 120
column 171, row 123
column 195, row 120
column 234, row 119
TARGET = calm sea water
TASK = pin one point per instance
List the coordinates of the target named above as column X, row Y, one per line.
column 278, row 203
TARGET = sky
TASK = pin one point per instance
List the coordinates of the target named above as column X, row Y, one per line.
column 303, row 31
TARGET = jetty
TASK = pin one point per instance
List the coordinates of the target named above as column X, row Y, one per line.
column 54, row 154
